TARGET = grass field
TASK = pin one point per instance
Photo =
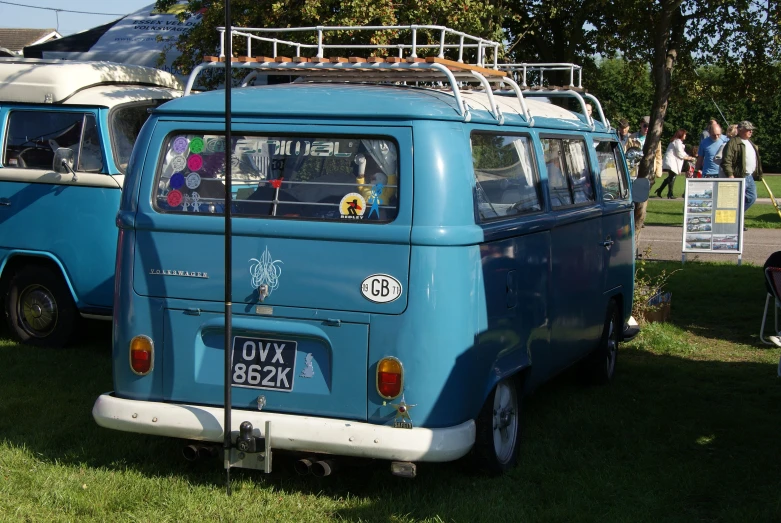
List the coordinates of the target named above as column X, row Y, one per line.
column 661, row 211
column 775, row 186
column 689, row 431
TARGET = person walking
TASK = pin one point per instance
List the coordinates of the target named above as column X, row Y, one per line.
column 638, row 140
column 672, row 163
column 741, row 160
column 709, row 154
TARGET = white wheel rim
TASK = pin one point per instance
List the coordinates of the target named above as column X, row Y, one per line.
column 505, row 421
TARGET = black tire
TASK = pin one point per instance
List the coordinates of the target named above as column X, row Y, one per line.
column 600, row 366
column 39, row 307
column 498, row 426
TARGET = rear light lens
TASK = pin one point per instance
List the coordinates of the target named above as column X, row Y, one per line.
column 390, row 378
column 142, row 355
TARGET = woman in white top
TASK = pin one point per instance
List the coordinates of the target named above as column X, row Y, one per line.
column 672, row 163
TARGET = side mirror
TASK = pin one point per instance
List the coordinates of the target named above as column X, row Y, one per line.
column 641, row 189
column 63, row 162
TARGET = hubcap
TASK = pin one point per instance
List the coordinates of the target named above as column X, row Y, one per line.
column 612, row 348
column 37, row 311
column 505, row 421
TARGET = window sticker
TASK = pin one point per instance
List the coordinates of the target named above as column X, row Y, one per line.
column 175, row 198
column 352, row 206
column 180, row 145
column 196, row 145
column 193, row 181
column 176, row 181
column 215, row 145
column 178, row 163
column 195, row 162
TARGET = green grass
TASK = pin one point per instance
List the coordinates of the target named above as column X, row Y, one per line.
column 689, row 431
column 775, row 186
column 670, row 212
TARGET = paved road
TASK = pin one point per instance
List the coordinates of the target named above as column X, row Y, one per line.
column 666, row 242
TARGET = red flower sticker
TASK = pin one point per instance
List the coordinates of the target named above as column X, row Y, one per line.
column 276, row 184
column 175, row 198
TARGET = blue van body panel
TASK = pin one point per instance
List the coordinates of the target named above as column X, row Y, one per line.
column 60, row 233
column 41, row 221
column 481, row 302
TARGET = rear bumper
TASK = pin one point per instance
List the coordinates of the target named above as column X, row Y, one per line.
column 288, row 432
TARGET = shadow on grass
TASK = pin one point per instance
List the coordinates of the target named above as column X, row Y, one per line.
column 670, row 439
column 723, row 302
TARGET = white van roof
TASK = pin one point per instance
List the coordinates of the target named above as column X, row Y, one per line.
column 54, row 81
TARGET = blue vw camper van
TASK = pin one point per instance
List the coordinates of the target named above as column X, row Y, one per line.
column 408, row 260
column 68, row 129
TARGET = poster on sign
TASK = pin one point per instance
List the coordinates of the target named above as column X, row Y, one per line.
column 713, row 216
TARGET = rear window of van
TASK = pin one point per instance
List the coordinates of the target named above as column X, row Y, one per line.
column 305, row 177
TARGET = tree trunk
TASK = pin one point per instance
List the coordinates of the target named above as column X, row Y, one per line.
column 664, row 61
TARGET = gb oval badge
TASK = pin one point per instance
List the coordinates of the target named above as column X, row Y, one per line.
column 381, row 288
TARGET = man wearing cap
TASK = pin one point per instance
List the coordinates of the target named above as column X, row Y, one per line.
column 623, row 133
column 741, row 160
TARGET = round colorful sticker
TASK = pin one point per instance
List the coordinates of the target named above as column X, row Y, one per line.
column 352, row 206
column 174, row 198
column 178, row 163
column 193, row 180
column 195, row 162
column 196, row 145
column 180, row 145
column 176, row 181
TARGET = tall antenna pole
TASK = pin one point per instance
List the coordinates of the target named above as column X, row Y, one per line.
column 228, row 241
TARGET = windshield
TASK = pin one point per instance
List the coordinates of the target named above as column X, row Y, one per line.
column 125, row 123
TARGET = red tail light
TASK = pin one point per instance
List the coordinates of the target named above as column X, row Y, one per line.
column 142, row 352
column 390, row 378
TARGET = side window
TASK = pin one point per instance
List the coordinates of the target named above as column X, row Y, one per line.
column 612, row 176
column 506, row 182
column 90, row 156
column 33, row 136
column 569, row 177
column 276, row 176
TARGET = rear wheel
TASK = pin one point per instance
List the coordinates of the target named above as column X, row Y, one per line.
column 39, row 307
column 600, row 366
column 498, row 429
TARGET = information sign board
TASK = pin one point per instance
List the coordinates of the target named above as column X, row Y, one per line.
column 713, row 215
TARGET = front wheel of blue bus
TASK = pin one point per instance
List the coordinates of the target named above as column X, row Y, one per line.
column 498, row 429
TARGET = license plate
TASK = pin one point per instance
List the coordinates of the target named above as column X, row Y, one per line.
column 260, row 363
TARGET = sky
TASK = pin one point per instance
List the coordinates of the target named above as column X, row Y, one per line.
column 69, row 23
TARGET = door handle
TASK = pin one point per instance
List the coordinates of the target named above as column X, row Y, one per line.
column 5, row 202
column 608, row 243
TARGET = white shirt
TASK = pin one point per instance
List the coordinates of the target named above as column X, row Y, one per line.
column 751, row 157
column 674, row 157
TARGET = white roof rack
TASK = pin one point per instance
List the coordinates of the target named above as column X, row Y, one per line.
column 406, row 67
column 521, row 70
column 27, row 80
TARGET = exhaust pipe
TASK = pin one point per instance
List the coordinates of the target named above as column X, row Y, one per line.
column 206, row 451
column 190, row 452
column 303, row 466
column 323, row 468
column 195, row 452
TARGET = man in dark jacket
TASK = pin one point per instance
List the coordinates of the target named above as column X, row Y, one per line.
column 741, row 160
